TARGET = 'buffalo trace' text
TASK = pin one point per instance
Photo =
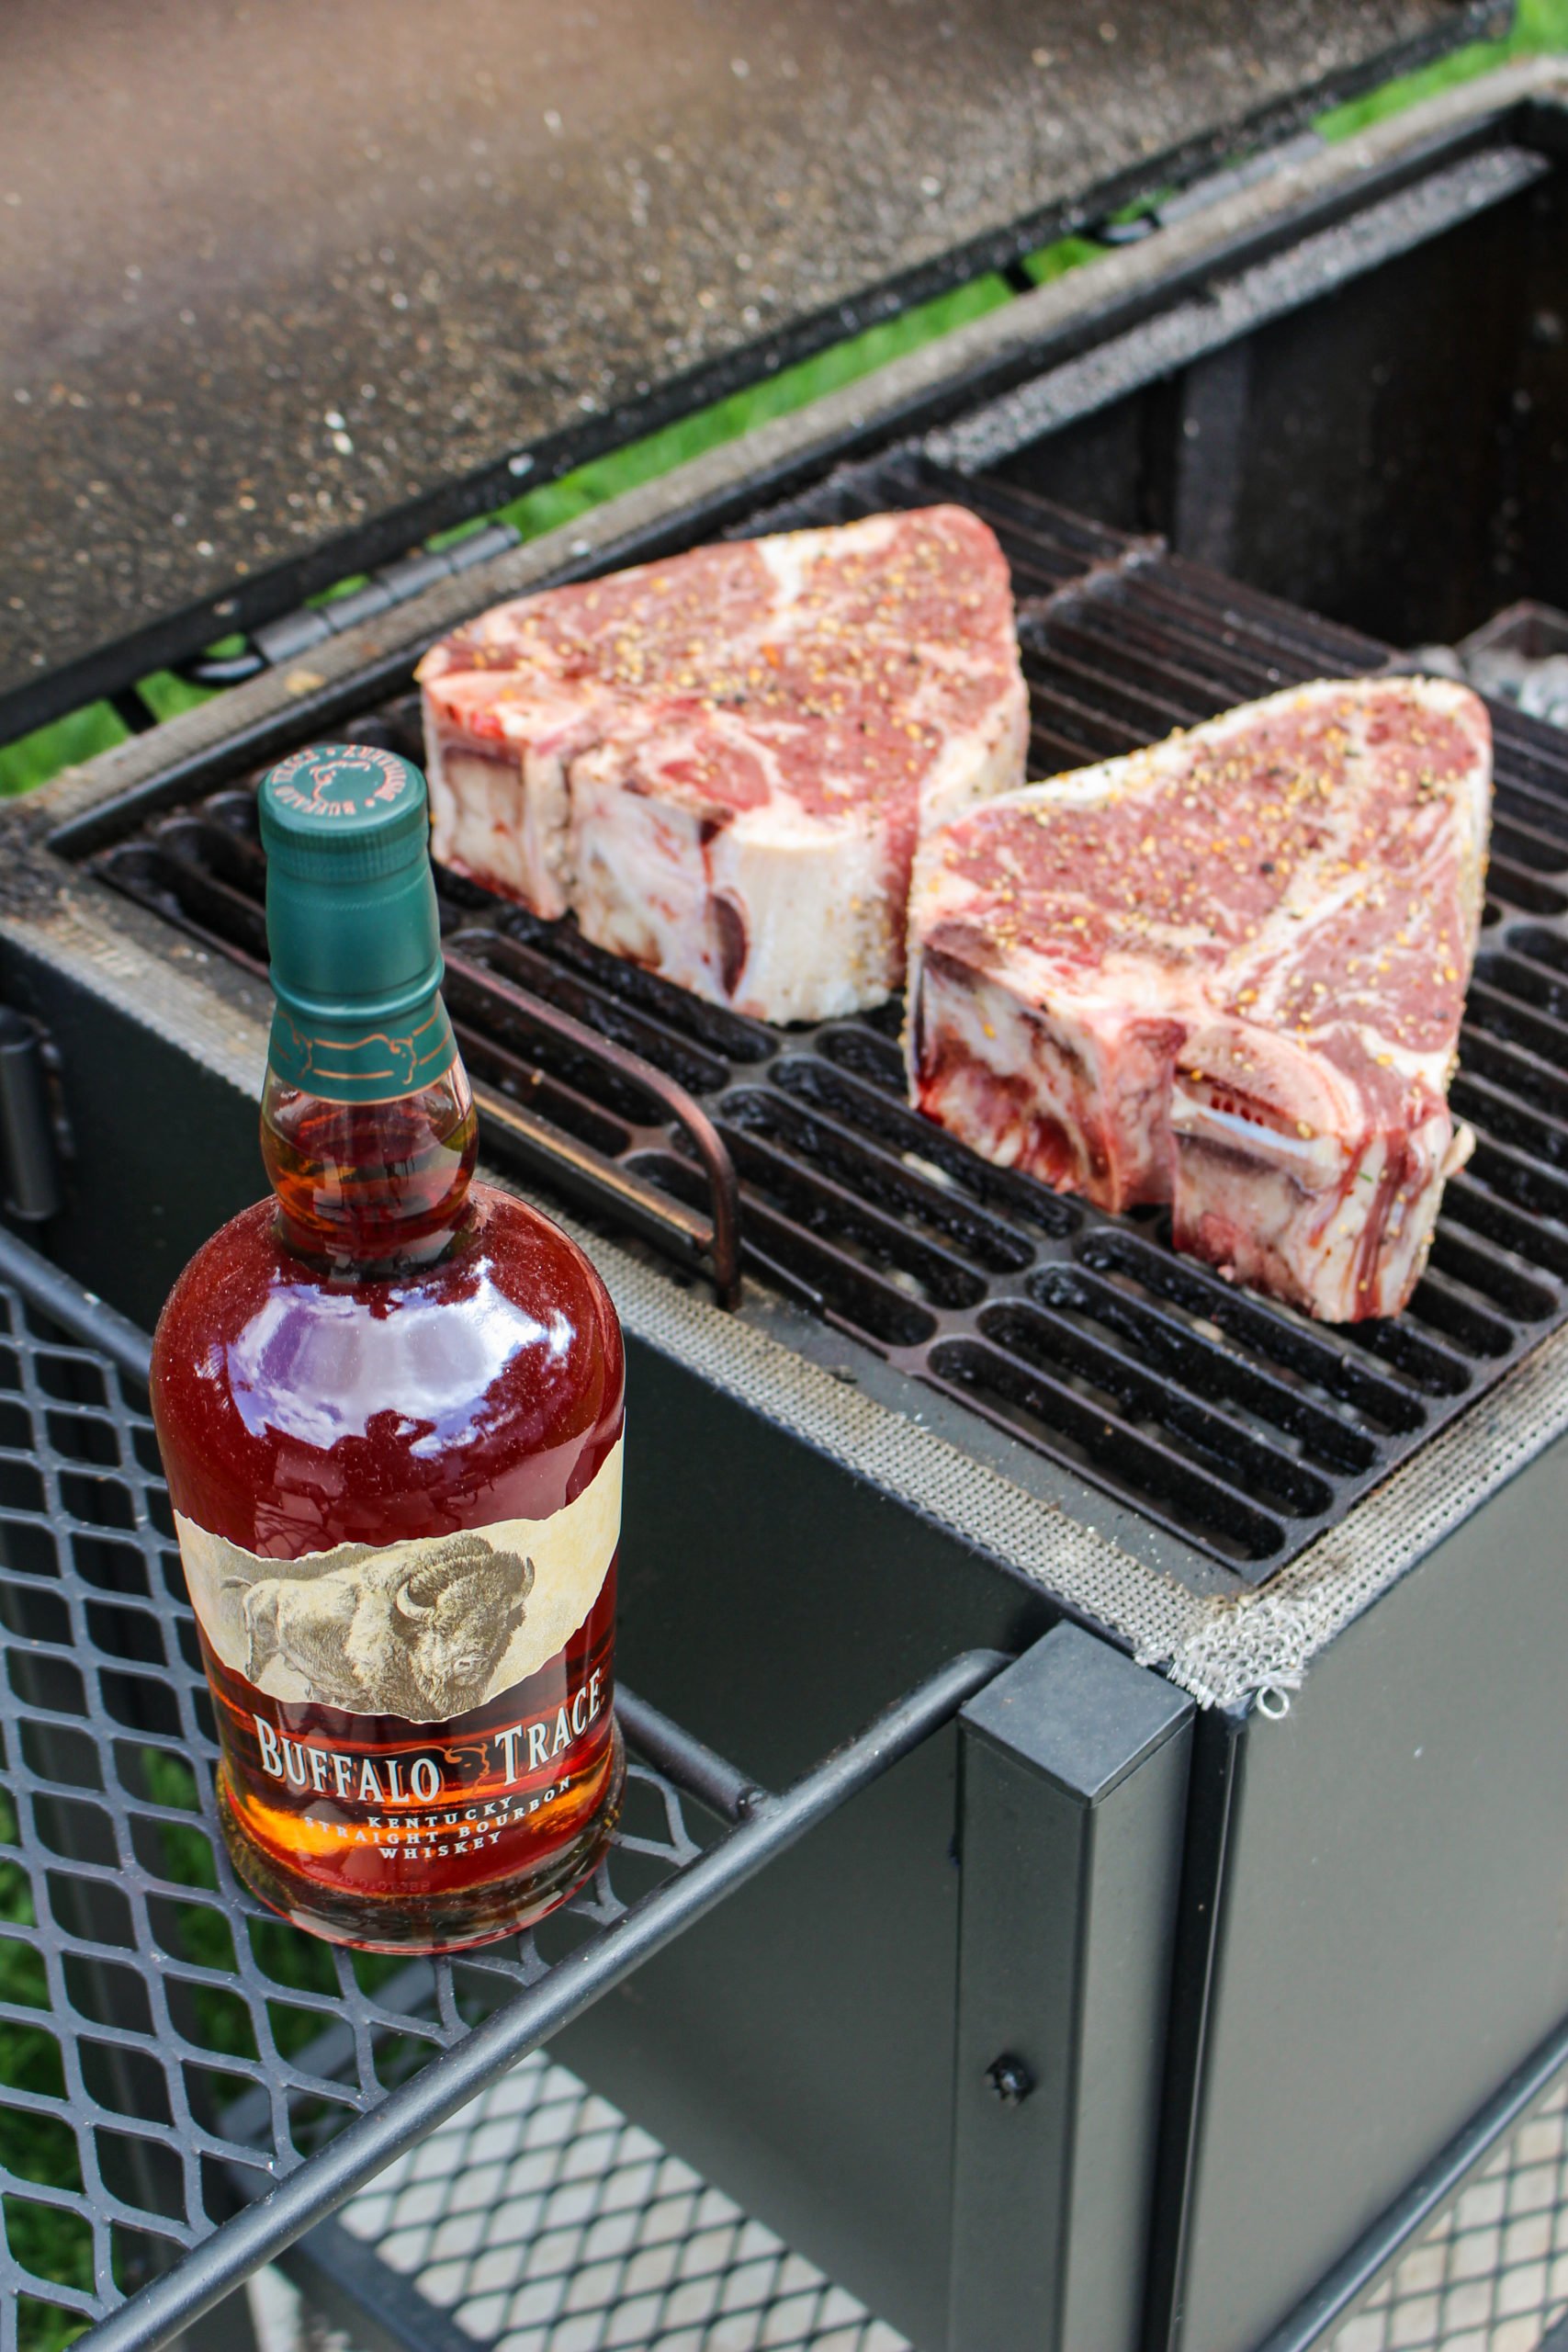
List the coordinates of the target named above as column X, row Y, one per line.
column 359, row 1778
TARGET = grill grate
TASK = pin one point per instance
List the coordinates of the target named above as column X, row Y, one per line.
column 1238, row 1425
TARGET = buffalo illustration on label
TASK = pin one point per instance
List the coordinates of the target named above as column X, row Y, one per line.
column 426, row 1630
column 382, row 1635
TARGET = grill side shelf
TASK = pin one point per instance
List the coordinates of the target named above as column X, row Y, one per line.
column 189, row 2083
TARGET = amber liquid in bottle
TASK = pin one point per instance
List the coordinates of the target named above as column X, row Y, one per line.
column 391, row 1357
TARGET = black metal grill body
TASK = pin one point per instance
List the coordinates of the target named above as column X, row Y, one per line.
column 1370, row 1936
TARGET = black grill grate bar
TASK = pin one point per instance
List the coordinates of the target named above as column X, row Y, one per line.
column 1436, row 1369
column 614, row 984
column 1543, row 947
column 863, row 1110
column 1176, row 639
column 1509, row 972
column 1519, row 887
column 1498, row 1114
column 1494, row 1275
column 814, row 1267
column 1059, row 675
column 690, row 1064
column 199, row 847
column 1529, row 1242
column 1513, row 1070
column 1056, row 717
column 875, row 1175
column 207, row 911
column 1228, row 608
column 1447, row 1306
column 1498, row 1013
column 1535, row 813
column 1207, row 1368
column 1520, row 1177
column 1172, row 654
column 1534, row 752
column 1237, row 633
column 1381, row 1400
column 1052, row 754
column 215, row 908
column 1043, row 1336
column 1112, row 637
column 543, row 1096
column 801, row 1187
column 1037, row 577
column 1166, row 1486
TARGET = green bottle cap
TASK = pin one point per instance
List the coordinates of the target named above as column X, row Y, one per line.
column 352, row 925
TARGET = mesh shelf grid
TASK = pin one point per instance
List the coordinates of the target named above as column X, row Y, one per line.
column 540, row 2219
column 1491, row 2276
column 164, row 2039
column 545, row 2222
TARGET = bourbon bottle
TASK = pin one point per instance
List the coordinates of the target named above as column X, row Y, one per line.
column 390, row 1406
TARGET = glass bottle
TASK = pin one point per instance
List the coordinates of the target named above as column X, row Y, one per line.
column 390, row 1402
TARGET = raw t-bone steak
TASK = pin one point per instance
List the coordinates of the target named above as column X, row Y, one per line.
column 1228, row 972
column 721, row 762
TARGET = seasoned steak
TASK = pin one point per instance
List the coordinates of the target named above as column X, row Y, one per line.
column 1228, row 972
column 721, row 763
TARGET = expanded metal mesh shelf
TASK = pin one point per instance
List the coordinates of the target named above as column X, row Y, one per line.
column 1240, row 1426
column 168, row 2048
column 1493, row 2275
column 543, row 2220
column 540, row 2219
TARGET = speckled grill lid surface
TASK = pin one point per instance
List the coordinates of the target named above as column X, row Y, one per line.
column 328, row 266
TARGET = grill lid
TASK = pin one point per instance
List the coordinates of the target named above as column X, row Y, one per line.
column 347, row 275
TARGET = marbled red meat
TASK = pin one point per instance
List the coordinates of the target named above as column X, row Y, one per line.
column 721, row 762
column 1228, row 972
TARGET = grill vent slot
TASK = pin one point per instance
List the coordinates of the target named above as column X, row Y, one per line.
column 1236, row 1425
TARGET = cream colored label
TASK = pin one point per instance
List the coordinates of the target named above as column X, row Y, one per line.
column 427, row 1629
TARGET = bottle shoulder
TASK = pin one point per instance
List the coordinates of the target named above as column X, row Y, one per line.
column 488, row 1385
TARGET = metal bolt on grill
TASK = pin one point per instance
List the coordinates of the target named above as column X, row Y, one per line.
column 1240, row 1426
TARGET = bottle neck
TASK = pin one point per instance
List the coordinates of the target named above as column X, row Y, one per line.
column 370, row 1188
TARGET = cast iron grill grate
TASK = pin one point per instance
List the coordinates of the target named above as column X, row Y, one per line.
column 1238, row 1425
column 167, row 2045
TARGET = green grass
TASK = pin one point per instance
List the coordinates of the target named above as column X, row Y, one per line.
column 49, row 2243
column 1541, row 25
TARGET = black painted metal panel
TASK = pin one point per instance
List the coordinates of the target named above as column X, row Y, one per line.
column 1394, row 1940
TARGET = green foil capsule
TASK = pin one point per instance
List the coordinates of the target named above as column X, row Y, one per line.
column 352, row 925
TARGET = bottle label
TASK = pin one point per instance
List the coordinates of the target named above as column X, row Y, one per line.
column 425, row 1631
